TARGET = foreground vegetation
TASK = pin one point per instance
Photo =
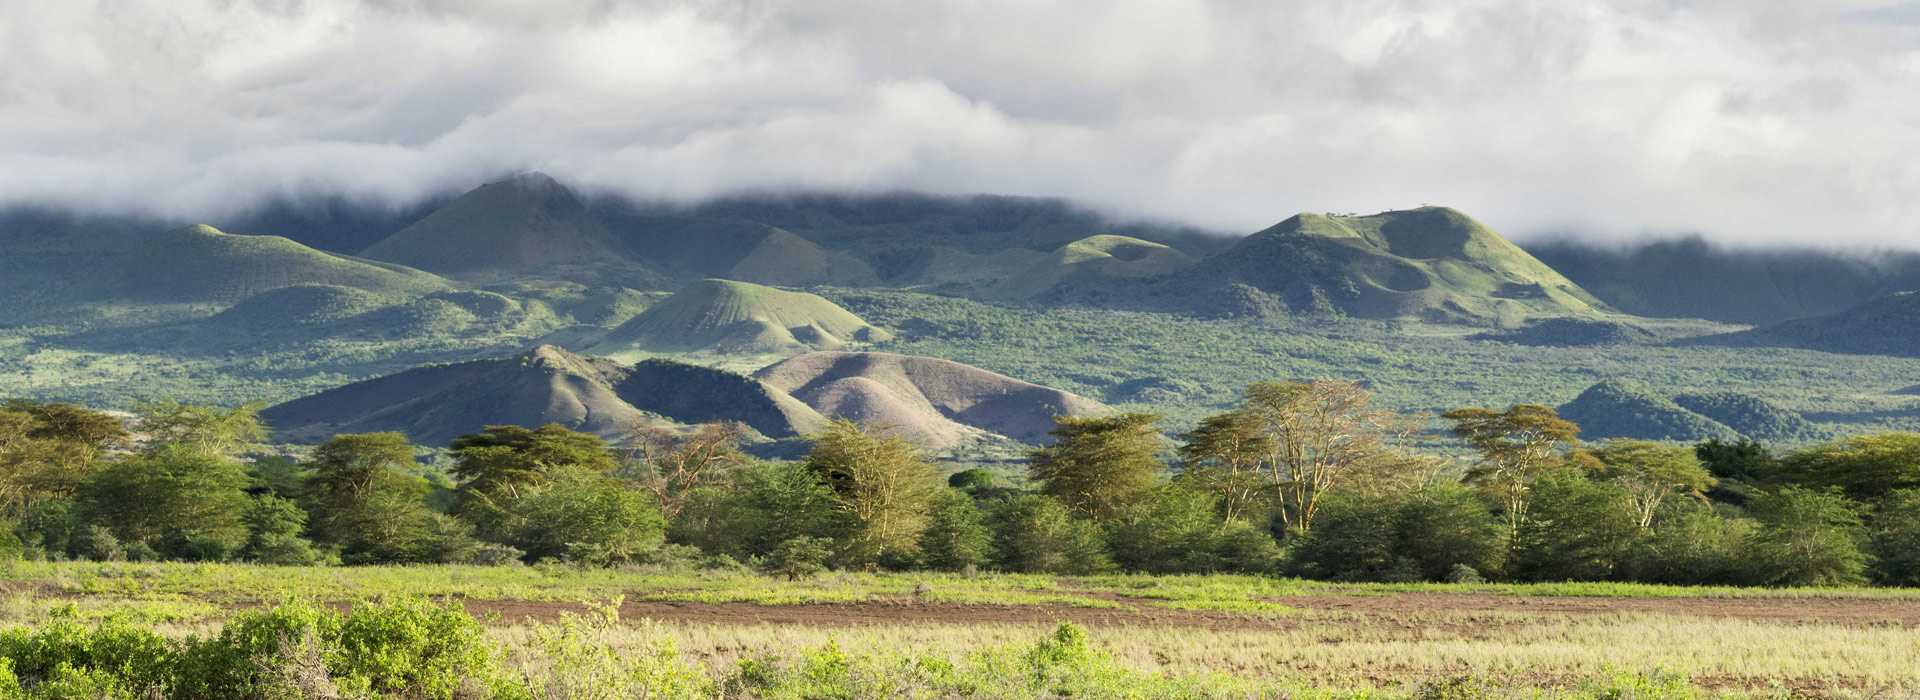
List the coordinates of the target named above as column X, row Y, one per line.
column 1307, row 479
column 421, row 650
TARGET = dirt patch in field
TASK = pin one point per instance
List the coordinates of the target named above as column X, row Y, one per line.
column 1846, row 611
column 879, row 612
column 1472, row 614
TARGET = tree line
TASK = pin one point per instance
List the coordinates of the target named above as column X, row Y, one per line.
column 1301, row 478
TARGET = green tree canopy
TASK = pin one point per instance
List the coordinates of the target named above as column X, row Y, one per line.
column 366, row 496
column 881, row 487
column 1097, row 465
column 1807, row 538
column 1867, row 467
column 220, row 431
column 183, row 501
column 498, row 463
column 1516, row 447
column 1652, row 473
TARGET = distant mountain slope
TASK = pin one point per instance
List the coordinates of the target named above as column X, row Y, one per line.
column 738, row 317
column 1094, row 260
column 526, row 223
column 933, row 402
column 742, row 250
column 203, row 264
column 1431, row 263
column 1691, row 278
column 1889, row 325
column 437, row 403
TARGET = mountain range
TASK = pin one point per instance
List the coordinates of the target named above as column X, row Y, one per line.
column 565, row 302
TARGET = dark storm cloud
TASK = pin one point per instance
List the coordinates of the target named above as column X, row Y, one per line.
column 1749, row 121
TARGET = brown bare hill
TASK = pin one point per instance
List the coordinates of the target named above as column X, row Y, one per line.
column 528, row 222
column 933, row 402
column 436, row 403
column 717, row 315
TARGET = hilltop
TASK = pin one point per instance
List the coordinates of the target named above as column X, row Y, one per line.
column 1093, row 260
column 202, row 264
column 524, row 224
column 1433, row 264
column 932, row 402
column 1615, row 409
column 1889, row 325
column 436, row 403
column 717, row 315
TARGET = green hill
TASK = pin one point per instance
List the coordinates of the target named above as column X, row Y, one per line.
column 1889, row 325
column 746, row 251
column 296, row 307
column 1627, row 410
column 526, row 223
column 1432, row 263
column 201, row 264
column 1093, row 260
column 1571, row 333
column 1752, row 416
column 737, row 317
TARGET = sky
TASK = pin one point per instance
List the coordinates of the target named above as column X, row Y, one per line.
column 1746, row 121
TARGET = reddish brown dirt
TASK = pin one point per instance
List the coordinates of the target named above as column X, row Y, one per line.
column 882, row 612
column 1469, row 612
column 1848, row 611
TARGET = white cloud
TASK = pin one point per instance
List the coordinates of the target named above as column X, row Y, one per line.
column 1750, row 122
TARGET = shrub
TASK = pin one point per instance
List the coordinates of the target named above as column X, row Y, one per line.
column 274, row 525
column 66, row 659
column 1896, row 539
column 1037, row 534
column 1575, row 530
column 1693, row 544
column 957, row 536
column 1807, row 538
column 799, row 556
column 585, row 517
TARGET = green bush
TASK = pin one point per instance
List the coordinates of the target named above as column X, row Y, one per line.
column 1037, row 534
column 1896, row 539
column 64, row 658
column 1807, row 538
column 585, row 517
column 1576, row 530
column 957, row 535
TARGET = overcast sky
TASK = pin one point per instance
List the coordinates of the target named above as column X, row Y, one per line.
column 1747, row 120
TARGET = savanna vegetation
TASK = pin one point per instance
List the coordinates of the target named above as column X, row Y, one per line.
column 1300, row 491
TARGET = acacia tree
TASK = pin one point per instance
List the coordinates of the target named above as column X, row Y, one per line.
column 881, row 487
column 1651, row 473
column 1326, row 436
column 1225, row 453
column 366, row 498
column 1097, row 465
column 1517, row 446
column 46, row 450
column 210, row 429
column 497, row 464
column 672, row 466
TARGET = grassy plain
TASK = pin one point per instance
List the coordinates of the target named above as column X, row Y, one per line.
column 1203, row 636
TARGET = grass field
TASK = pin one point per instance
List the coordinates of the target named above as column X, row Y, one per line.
column 1205, row 636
